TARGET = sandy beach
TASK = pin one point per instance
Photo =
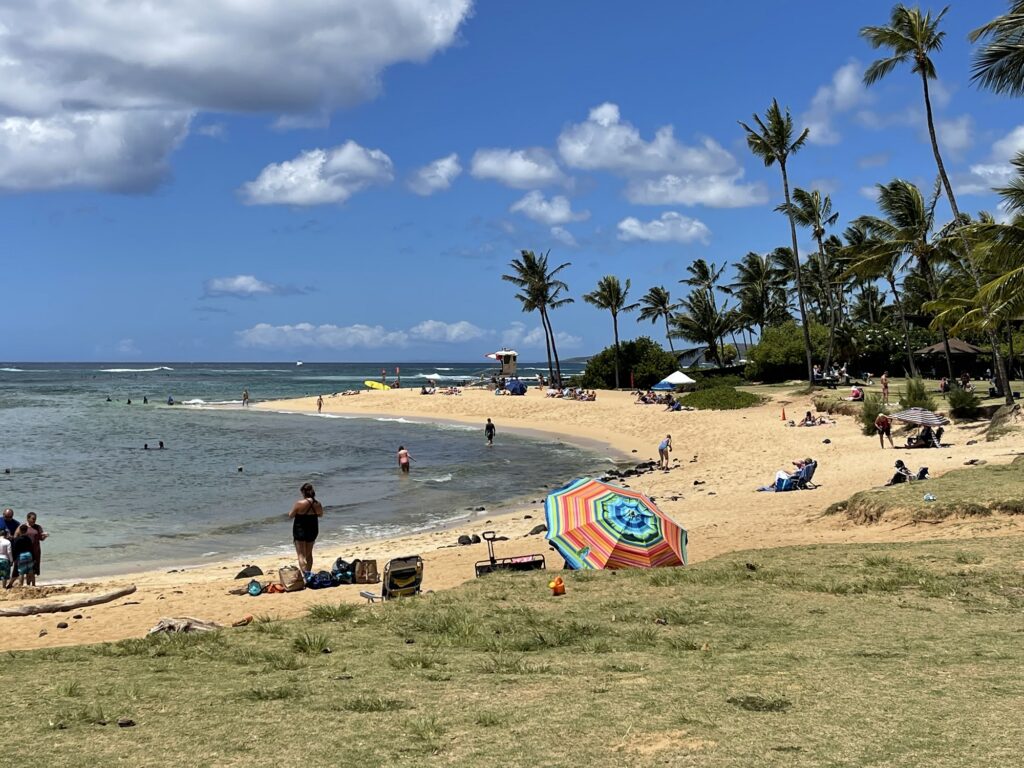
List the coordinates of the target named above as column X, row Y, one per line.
column 727, row 454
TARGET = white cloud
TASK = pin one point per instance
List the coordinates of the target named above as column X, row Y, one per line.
column 564, row 236
column 436, row 330
column 213, row 130
column 956, row 134
column 605, row 142
column 517, row 168
column 319, row 176
column 516, row 336
column 243, row 286
column 328, row 336
column 845, row 92
column 339, row 337
column 436, row 176
column 825, row 185
column 115, row 151
column 553, row 212
column 290, row 57
column 868, row 193
column 996, row 171
column 714, row 191
column 671, row 227
column 99, row 94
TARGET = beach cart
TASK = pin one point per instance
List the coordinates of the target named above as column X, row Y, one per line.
column 492, row 563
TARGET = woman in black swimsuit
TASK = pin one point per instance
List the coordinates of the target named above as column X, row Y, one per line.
column 306, row 514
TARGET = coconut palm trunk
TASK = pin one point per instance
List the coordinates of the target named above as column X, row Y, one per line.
column 993, row 339
column 890, row 278
column 799, row 281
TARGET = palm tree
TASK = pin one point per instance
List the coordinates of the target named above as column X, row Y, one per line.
column 611, row 295
column 540, row 290
column 773, row 142
column 867, row 260
column 814, row 212
column 705, row 277
column 999, row 64
column 657, row 305
column 702, row 321
column 912, row 36
column 760, row 287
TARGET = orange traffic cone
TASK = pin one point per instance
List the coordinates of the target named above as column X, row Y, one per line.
column 783, row 413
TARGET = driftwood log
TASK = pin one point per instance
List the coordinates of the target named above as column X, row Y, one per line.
column 70, row 604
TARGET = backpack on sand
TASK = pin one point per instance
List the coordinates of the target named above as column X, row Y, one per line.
column 320, row 580
column 343, row 572
column 254, row 588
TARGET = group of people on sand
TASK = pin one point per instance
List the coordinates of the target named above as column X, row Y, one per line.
column 650, row 397
column 572, row 393
column 20, row 549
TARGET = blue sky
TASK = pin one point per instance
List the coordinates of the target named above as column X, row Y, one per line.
column 346, row 181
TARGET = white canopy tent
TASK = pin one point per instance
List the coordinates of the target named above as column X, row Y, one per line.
column 678, row 378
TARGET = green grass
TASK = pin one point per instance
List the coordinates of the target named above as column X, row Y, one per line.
column 864, row 655
column 967, row 492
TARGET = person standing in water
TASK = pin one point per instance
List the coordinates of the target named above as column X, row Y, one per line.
column 403, row 459
column 305, row 515
column 319, row 403
column 245, row 397
column 489, row 432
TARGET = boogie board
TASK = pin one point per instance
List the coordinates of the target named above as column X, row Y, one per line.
column 375, row 385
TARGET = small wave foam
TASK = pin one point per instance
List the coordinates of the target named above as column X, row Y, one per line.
column 446, row 478
column 194, row 401
column 399, row 420
column 135, row 370
column 12, row 370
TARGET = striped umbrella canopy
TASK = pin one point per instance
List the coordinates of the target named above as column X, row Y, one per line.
column 921, row 417
column 596, row 525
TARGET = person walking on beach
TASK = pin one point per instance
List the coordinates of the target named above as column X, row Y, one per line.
column 883, row 425
column 245, row 397
column 319, row 403
column 305, row 515
column 403, row 459
column 37, row 535
column 664, row 449
column 489, row 432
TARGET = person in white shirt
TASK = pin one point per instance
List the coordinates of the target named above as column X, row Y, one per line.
column 5, row 559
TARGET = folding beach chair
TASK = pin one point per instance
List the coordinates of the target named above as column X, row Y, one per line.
column 805, row 476
column 403, row 577
column 492, row 563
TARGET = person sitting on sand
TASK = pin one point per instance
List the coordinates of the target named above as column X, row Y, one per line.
column 808, row 421
column 883, row 425
column 856, row 394
column 903, row 475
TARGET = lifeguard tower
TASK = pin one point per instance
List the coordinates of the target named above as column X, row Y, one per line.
column 506, row 360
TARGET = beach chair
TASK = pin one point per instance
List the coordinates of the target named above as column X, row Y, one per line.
column 492, row 563
column 804, row 478
column 403, row 577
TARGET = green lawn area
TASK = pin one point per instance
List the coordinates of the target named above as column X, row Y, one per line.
column 879, row 655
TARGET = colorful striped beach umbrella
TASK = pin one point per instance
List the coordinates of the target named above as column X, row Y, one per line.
column 921, row 416
column 597, row 525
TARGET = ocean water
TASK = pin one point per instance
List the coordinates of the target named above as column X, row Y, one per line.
column 77, row 460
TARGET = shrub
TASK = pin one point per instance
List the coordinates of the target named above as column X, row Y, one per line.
column 873, row 406
column 779, row 354
column 710, row 381
column 720, row 399
column 963, row 404
column 642, row 357
column 917, row 396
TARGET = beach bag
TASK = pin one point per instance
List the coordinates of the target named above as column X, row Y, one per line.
column 254, row 588
column 320, row 580
column 291, row 578
column 343, row 572
column 365, row 571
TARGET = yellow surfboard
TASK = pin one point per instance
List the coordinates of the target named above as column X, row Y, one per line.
column 375, row 384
